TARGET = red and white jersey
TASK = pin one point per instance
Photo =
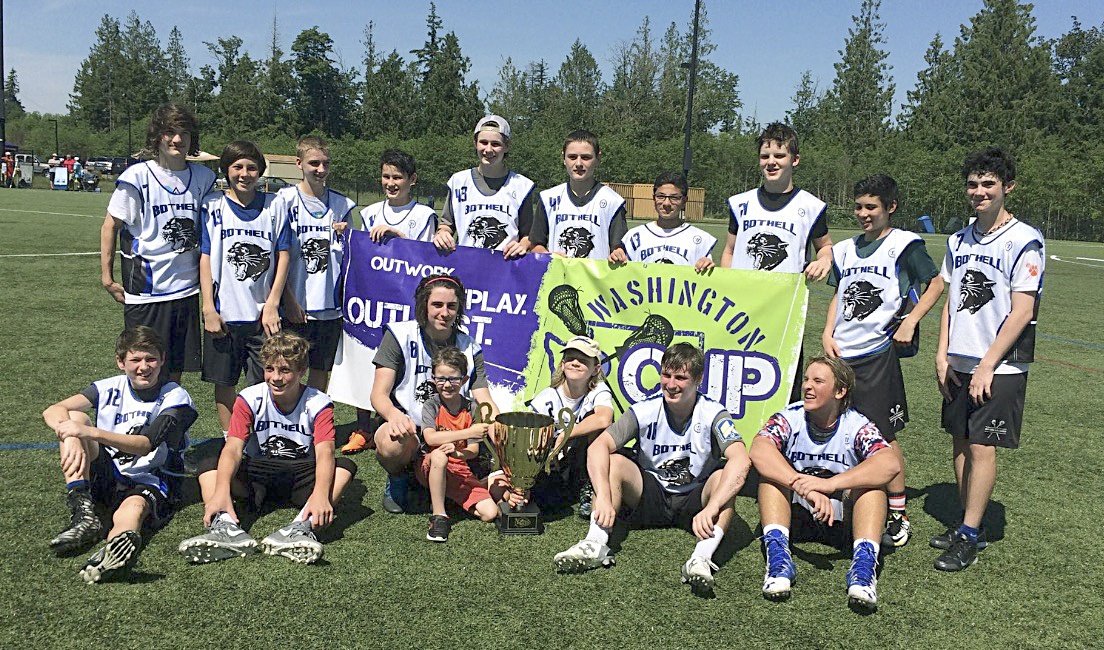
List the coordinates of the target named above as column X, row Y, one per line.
column 272, row 433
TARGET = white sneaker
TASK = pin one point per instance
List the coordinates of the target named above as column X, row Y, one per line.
column 584, row 555
column 698, row 573
column 296, row 542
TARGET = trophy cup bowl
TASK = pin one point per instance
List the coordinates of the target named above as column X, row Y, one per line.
column 524, row 445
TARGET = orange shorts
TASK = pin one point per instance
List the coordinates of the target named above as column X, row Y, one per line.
column 461, row 486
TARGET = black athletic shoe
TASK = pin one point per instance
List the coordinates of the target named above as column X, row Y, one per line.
column 960, row 555
column 85, row 527
column 947, row 539
column 586, row 501
column 439, row 528
column 114, row 558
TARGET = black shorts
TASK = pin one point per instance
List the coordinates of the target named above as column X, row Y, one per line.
column 805, row 528
column 880, row 391
column 275, row 480
column 177, row 323
column 997, row 422
column 323, row 336
column 226, row 356
column 660, row 508
column 109, row 490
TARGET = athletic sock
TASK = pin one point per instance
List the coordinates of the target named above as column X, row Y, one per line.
column 861, row 540
column 705, row 548
column 301, row 516
column 969, row 532
column 598, row 534
column 223, row 516
column 79, row 485
column 897, row 502
column 782, row 529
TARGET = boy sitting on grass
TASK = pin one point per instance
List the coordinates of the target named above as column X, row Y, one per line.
column 285, row 432
column 120, row 461
column 452, row 441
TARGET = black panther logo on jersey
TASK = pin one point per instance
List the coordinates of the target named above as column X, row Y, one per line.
column 819, row 472
column 316, row 253
column 425, row 390
column 676, row 471
column 250, row 261
column 976, row 291
column 767, row 250
column 123, row 458
column 577, row 242
column 663, row 260
column 281, row 447
column 487, row 232
column 181, row 234
column 860, row 300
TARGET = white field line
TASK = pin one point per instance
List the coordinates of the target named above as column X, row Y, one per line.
column 55, row 214
column 48, row 254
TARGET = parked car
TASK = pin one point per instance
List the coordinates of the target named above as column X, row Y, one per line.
column 117, row 166
column 271, row 183
column 39, row 166
column 101, row 164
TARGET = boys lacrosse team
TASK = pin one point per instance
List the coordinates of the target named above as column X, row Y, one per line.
column 261, row 275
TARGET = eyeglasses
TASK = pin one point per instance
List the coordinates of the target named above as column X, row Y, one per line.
column 673, row 198
column 448, row 380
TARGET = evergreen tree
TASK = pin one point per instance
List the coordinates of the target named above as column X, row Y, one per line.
column 859, row 103
column 322, row 98
column 449, row 103
column 578, row 89
column 178, row 76
column 97, row 86
column 143, row 68
column 804, row 117
column 13, row 108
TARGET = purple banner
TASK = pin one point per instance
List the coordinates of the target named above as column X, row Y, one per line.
column 380, row 280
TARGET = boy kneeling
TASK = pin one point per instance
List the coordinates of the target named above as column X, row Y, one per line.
column 285, row 431
column 121, row 461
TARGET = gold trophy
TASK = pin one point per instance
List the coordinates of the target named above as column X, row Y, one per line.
column 524, row 445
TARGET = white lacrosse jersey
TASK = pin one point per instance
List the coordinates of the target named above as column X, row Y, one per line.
column 855, row 439
column 773, row 241
column 679, row 460
column 981, row 272
column 159, row 242
column 243, row 244
column 315, row 248
column 869, row 293
column 416, row 385
column 415, row 220
column 550, row 400
column 484, row 221
column 282, row 435
column 683, row 245
column 121, row 411
column 580, row 231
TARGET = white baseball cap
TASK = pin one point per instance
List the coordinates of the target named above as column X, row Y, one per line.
column 584, row 344
column 495, row 123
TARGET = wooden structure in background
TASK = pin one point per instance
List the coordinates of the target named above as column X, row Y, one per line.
column 639, row 203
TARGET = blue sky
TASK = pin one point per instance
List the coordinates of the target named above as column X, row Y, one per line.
column 768, row 45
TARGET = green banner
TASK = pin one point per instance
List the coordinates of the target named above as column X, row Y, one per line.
column 748, row 323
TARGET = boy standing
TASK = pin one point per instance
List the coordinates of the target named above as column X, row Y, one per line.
column 994, row 268
column 121, row 461
column 878, row 276
column 399, row 215
column 154, row 212
column 316, row 216
column 243, row 267
column 285, row 432
column 771, row 227
column 669, row 240
column 452, row 439
column 582, row 217
column 488, row 206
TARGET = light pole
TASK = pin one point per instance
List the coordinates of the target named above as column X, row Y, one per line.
column 57, row 149
column 692, row 66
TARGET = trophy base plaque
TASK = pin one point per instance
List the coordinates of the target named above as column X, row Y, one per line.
column 525, row 520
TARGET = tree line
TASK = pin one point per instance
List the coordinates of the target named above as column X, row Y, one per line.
column 995, row 82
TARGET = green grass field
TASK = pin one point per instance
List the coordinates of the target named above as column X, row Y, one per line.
column 382, row 585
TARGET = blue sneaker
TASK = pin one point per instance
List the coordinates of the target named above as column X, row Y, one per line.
column 862, row 579
column 781, row 572
column 395, row 492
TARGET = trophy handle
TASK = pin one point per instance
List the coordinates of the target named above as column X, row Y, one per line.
column 565, row 420
column 483, row 413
